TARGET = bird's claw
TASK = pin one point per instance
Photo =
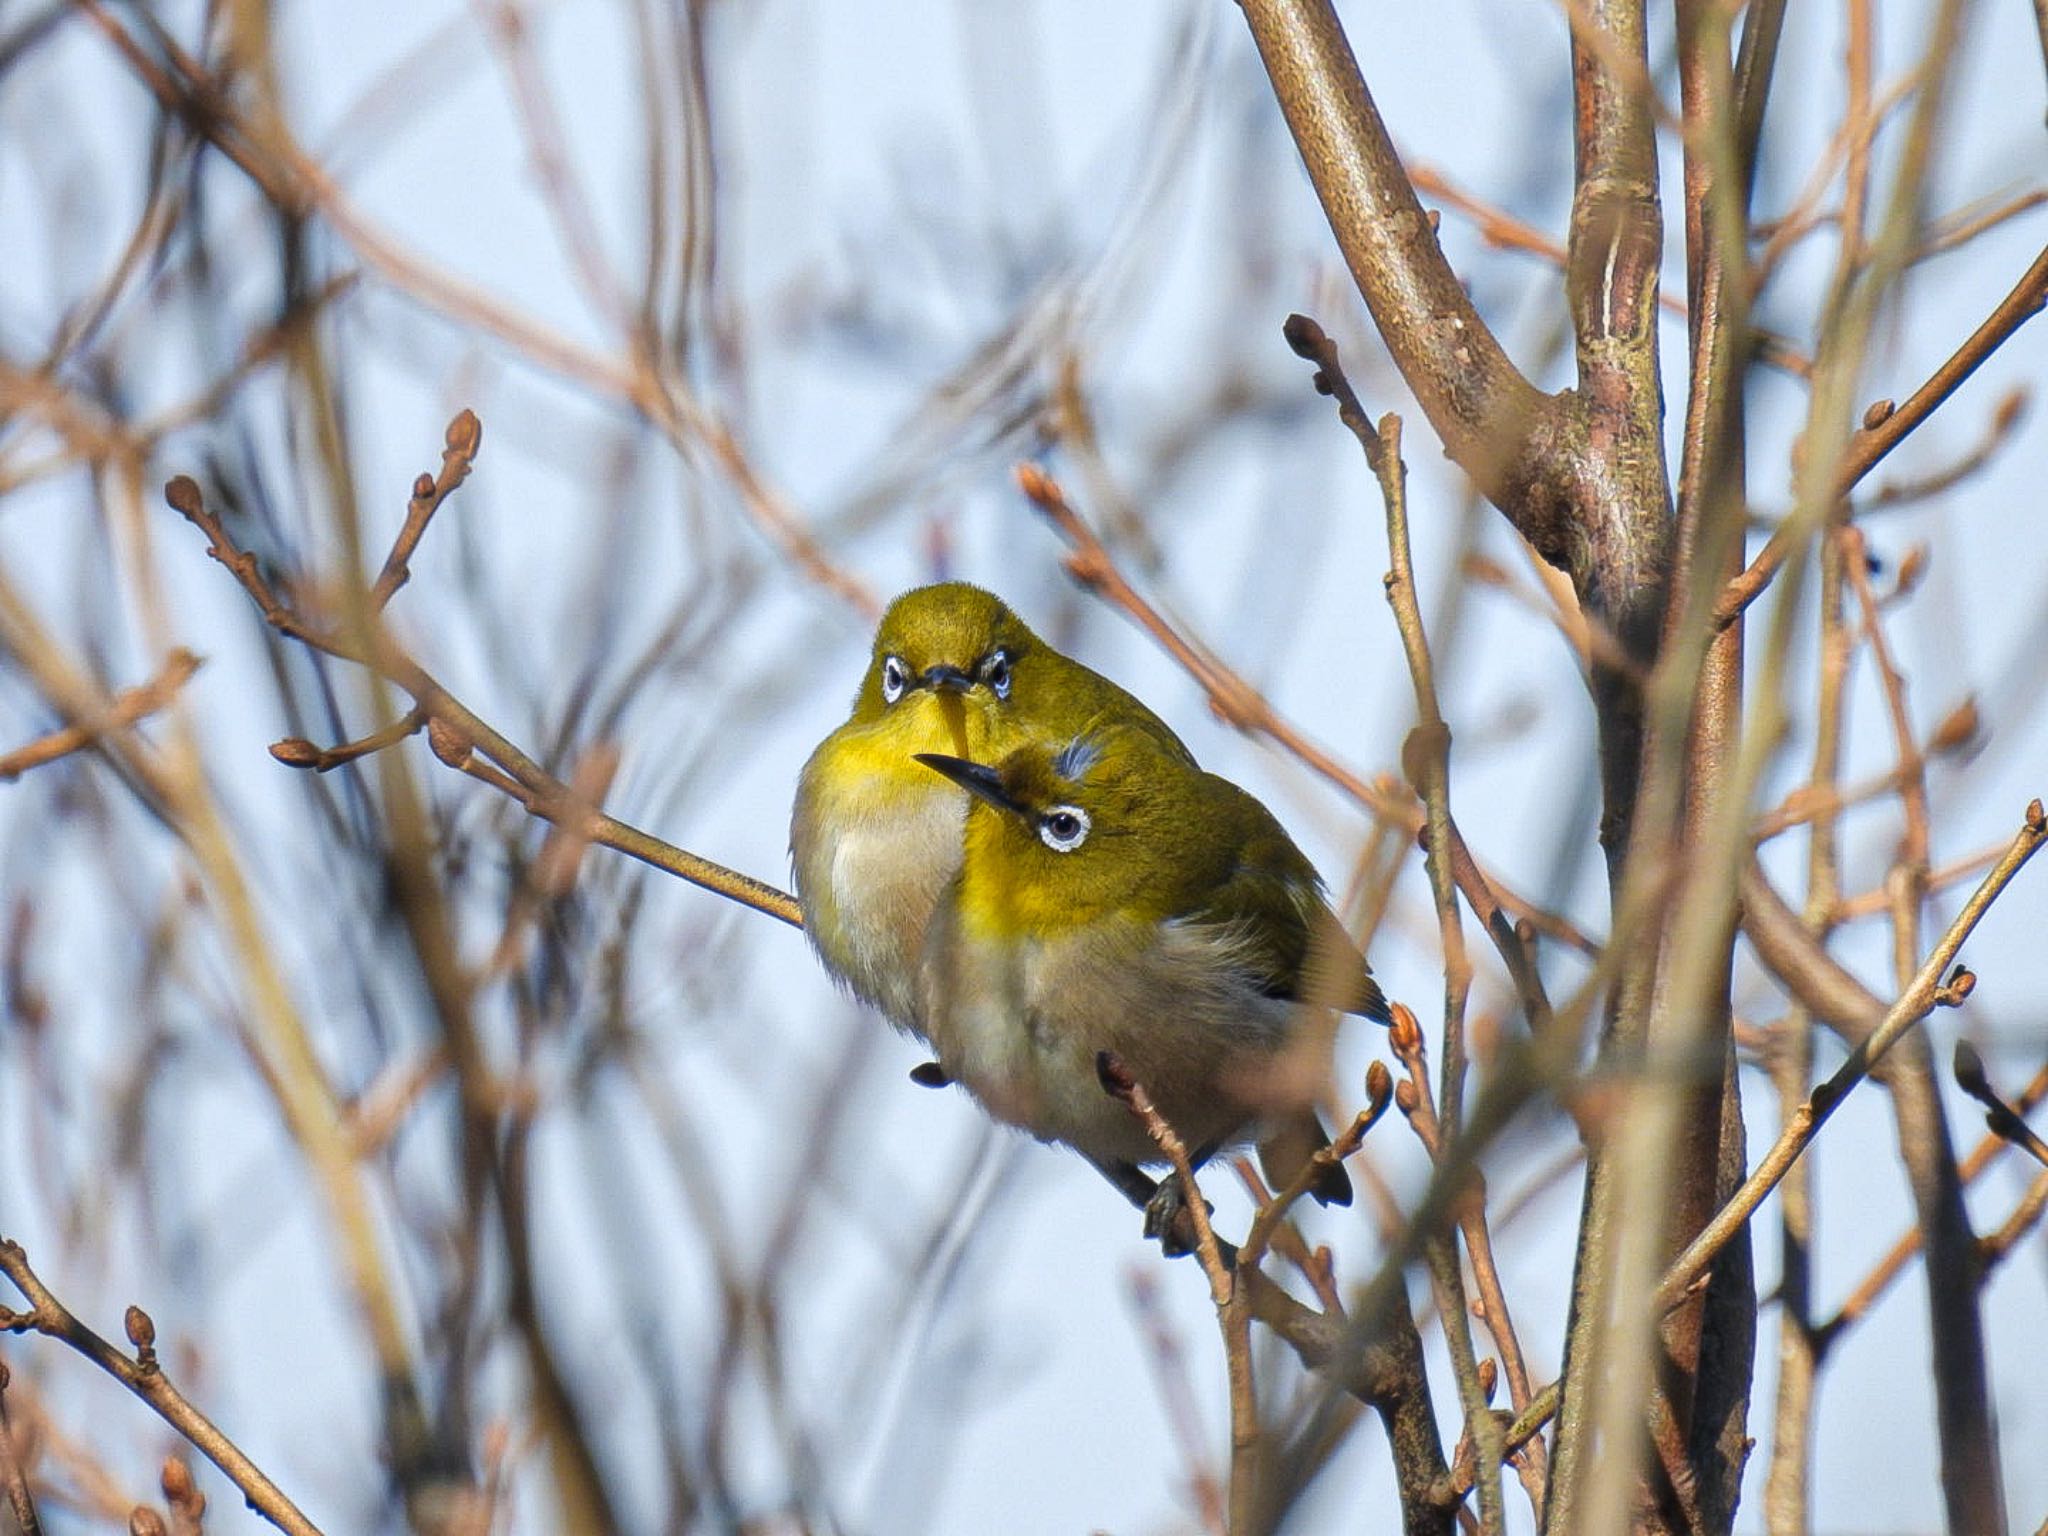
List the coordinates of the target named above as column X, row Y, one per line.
column 1168, row 1220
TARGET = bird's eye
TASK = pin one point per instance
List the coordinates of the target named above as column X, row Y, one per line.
column 895, row 678
column 1063, row 828
column 996, row 673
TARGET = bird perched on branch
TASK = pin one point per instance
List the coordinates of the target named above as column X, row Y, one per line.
column 1114, row 898
column 875, row 838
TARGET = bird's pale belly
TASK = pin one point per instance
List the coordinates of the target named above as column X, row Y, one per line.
column 1194, row 1034
column 870, row 868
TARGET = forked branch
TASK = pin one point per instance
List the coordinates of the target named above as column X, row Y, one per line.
column 144, row 1376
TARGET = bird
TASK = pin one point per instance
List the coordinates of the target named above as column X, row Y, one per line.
column 875, row 839
column 1113, row 899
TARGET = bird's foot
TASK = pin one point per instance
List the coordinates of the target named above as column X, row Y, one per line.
column 1168, row 1219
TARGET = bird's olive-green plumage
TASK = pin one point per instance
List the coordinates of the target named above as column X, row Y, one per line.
column 1114, row 897
column 1168, row 843
column 874, row 838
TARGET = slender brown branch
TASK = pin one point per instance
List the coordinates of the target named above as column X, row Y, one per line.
column 1863, row 1296
column 1869, row 446
column 1427, row 752
column 1996, row 1246
column 143, row 1376
column 1913, row 1005
column 1821, row 801
column 1787, row 1492
column 124, row 710
column 1384, row 1372
column 1232, row 1301
column 1427, row 758
column 1954, row 230
column 557, row 804
column 1447, row 1279
column 454, row 728
column 1822, row 986
column 1493, row 422
column 1873, row 902
column 1272, row 1212
column 464, row 438
column 20, row 1503
column 1911, row 865
column 2005, row 416
column 297, row 752
column 2004, row 1121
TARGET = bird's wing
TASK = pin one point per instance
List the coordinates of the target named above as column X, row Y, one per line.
column 1294, row 945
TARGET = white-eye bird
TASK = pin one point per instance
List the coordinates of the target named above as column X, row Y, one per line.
column 1113, row 897
column 874, row 838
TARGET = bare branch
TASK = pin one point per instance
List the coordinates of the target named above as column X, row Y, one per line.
column 124, row 710
column 455, row 729
column 1912, row 1006
column 1869, row 446
column 1494, row 423
column 143, row 1376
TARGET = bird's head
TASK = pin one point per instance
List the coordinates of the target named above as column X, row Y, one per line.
column 955, row 655
column 1107, row 820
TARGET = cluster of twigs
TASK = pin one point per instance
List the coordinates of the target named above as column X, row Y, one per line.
column 1430, row 1494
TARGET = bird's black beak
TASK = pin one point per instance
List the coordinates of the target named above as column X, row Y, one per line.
column 946, row 679
column 978, row 779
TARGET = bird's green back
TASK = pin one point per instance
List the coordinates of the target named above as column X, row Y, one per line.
column 1166, row 842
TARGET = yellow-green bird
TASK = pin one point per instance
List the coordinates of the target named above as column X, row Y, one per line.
column 875, row 839
column 1113, row 897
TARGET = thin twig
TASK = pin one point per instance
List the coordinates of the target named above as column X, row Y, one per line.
column 20, row 1502
column 297, row 752
column 123, row 710
column 465, row 437
column 1787, row 1490
column 143, row 1376
column 2004, row 1121
column 1868, row 447
column 1995, row 1246
column 1233, row 1310
column 1913, row 1005
column 1801, row 1127
column 1447, row 1279
column 1864, row 1294
column 1272, row 1212
column 455, row 730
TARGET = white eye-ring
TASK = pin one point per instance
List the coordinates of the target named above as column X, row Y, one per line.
column 996, row 672
column 895, row 678
column 1063, row 828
